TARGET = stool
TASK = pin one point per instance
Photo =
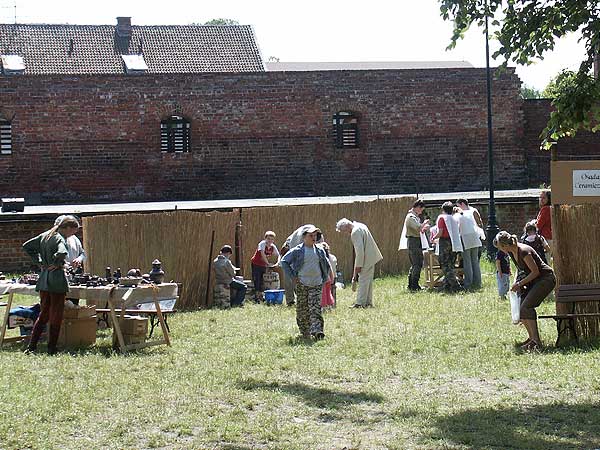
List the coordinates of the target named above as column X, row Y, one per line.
column 221, row 296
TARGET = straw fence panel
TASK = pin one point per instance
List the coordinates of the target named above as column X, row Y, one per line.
column 180, row 239
column 576, row 234
column 384, row 218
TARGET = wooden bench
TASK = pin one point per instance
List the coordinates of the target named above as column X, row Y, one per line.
column 103, row 313
column 567, row 298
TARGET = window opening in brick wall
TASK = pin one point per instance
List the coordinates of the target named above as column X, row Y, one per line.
column 345, row 130
column 175, row 135
column 5, row 137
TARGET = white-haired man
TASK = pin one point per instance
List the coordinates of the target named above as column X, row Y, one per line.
column 367, row 255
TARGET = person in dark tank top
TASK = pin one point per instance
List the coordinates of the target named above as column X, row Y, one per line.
column 535, row 284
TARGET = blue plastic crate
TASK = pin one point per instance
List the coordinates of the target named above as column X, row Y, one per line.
column 274, row 296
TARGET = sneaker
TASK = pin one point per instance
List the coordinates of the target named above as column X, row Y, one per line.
column 319, row 336
column 29, row 351
column 356, row 305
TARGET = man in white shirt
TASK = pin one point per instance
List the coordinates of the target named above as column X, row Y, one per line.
column 367, row 255
column 76, row 255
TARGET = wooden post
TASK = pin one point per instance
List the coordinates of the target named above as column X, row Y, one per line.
column 239, row 260
column 210, row 255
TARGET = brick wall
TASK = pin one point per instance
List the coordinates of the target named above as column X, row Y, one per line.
column 13, row 234
column 97, row 138
column 535, row 116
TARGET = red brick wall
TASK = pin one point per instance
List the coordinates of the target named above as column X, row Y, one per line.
column 13, row 234
column 97, row 138
column 535, row 115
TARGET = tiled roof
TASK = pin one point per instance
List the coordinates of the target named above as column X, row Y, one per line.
column 97, row 49
column 364, row 65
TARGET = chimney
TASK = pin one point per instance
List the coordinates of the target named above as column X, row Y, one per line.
column 124, row 27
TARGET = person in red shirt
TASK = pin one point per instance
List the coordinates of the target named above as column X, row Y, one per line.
column 544, row 218
column 260, row 262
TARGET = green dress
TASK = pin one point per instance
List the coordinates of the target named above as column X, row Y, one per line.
column 48, row 252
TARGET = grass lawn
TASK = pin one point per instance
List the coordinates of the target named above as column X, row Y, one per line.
column 427, row 371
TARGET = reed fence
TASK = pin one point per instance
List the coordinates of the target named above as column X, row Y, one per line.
column 576, row 241
column 182, row 239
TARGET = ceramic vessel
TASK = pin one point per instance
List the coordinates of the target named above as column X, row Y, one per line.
column 157, row 275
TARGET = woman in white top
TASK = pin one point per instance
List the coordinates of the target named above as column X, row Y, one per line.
column 470, row 234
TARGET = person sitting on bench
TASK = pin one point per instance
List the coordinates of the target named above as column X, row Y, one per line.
column 539, row 281
column 225, row 275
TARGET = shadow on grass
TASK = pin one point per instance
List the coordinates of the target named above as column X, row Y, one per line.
column 565, row 348
column 300, row 341
column 314, row 396
column 106, row 351
column 556, row 426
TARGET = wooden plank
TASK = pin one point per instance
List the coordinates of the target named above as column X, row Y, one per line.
column 5, row 319
column 578, row 287
column 116, row 324
column 578, row 298
column 145, row 344
column 570, row 316
column 161, row 319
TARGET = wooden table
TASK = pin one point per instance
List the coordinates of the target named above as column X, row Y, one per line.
column 116, row 297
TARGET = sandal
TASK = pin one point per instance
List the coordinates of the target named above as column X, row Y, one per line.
column 524, row 343
column 532, row 346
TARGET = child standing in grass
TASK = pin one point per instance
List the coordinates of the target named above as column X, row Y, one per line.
column 502, row 273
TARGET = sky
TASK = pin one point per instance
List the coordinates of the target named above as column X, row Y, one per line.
column 312, row 30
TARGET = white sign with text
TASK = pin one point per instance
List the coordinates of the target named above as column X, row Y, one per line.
column 586, row 183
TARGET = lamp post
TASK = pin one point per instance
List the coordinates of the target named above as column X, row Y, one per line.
column 492, row 227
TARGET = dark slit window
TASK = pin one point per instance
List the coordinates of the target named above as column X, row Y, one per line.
column 175, row 135
column 345, row 130
column 5, row 137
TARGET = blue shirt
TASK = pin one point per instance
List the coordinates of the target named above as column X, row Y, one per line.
column 293, row 261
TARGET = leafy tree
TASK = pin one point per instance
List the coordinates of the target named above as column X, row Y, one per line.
column 222, row 22
column 530, row 92
column 528, row 29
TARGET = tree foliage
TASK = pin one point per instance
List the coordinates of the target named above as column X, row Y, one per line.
column 526, row 31
column 222, row 21
column 530, row 92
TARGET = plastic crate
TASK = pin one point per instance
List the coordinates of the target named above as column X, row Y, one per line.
column 274, row 296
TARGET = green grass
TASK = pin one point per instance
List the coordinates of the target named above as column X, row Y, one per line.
column 427, row 371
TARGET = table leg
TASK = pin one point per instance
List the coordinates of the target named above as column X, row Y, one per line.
column 117, row 325
column 5, row 319
column 161, row 319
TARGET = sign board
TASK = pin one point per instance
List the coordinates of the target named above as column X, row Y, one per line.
column 575, row 182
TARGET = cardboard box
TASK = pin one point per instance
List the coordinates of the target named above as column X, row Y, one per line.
column 130, row 339
column 134, row 325
column 83, row 312
column 78, row 332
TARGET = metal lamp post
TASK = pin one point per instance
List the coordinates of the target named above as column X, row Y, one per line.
column 492, row 227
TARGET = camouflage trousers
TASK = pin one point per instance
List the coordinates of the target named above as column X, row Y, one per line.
column 447, row 260
column 308, row 309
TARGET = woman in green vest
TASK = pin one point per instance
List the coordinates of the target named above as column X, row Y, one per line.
column 49, row 250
